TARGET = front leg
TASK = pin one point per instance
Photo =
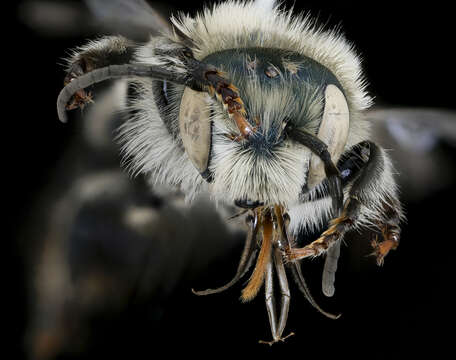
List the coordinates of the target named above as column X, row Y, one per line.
column 109, row 50
column 335, row 232
column 390, row 232
column 169, row 59
column 372, row 202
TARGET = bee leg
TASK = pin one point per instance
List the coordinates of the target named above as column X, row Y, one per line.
column 372, row 201
column 390, row 232
column 80, row 97
column 277, row 327
column 247, row 257
column 338, row 227
column 109, row 50
column 297, row 273
column 169, row 60
column 379, row 204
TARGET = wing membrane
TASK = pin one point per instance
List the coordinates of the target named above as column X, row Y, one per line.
column 135, row 19
column 421, row 142
column 129, row 13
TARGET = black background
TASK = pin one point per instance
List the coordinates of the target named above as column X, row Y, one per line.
column 401, row 309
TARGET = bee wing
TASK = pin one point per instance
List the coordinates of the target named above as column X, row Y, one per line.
column 135, row 19
column 129, row 15
column 415, row 128
column 421, row 143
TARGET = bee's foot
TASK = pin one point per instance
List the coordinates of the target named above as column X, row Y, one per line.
column 81, row 97
column 381, row 249
column 282, row 339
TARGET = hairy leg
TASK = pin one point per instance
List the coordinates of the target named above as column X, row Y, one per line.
column 109, row 50
column 372, row 202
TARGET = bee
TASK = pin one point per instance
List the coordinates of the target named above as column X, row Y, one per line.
column 259, row 107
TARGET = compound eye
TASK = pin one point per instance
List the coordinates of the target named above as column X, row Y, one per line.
column 195, row 128
column 333, row 132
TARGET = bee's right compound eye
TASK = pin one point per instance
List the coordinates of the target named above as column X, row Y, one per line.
column 195, row 129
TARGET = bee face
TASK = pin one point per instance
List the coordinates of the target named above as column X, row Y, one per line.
column 282, row 92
